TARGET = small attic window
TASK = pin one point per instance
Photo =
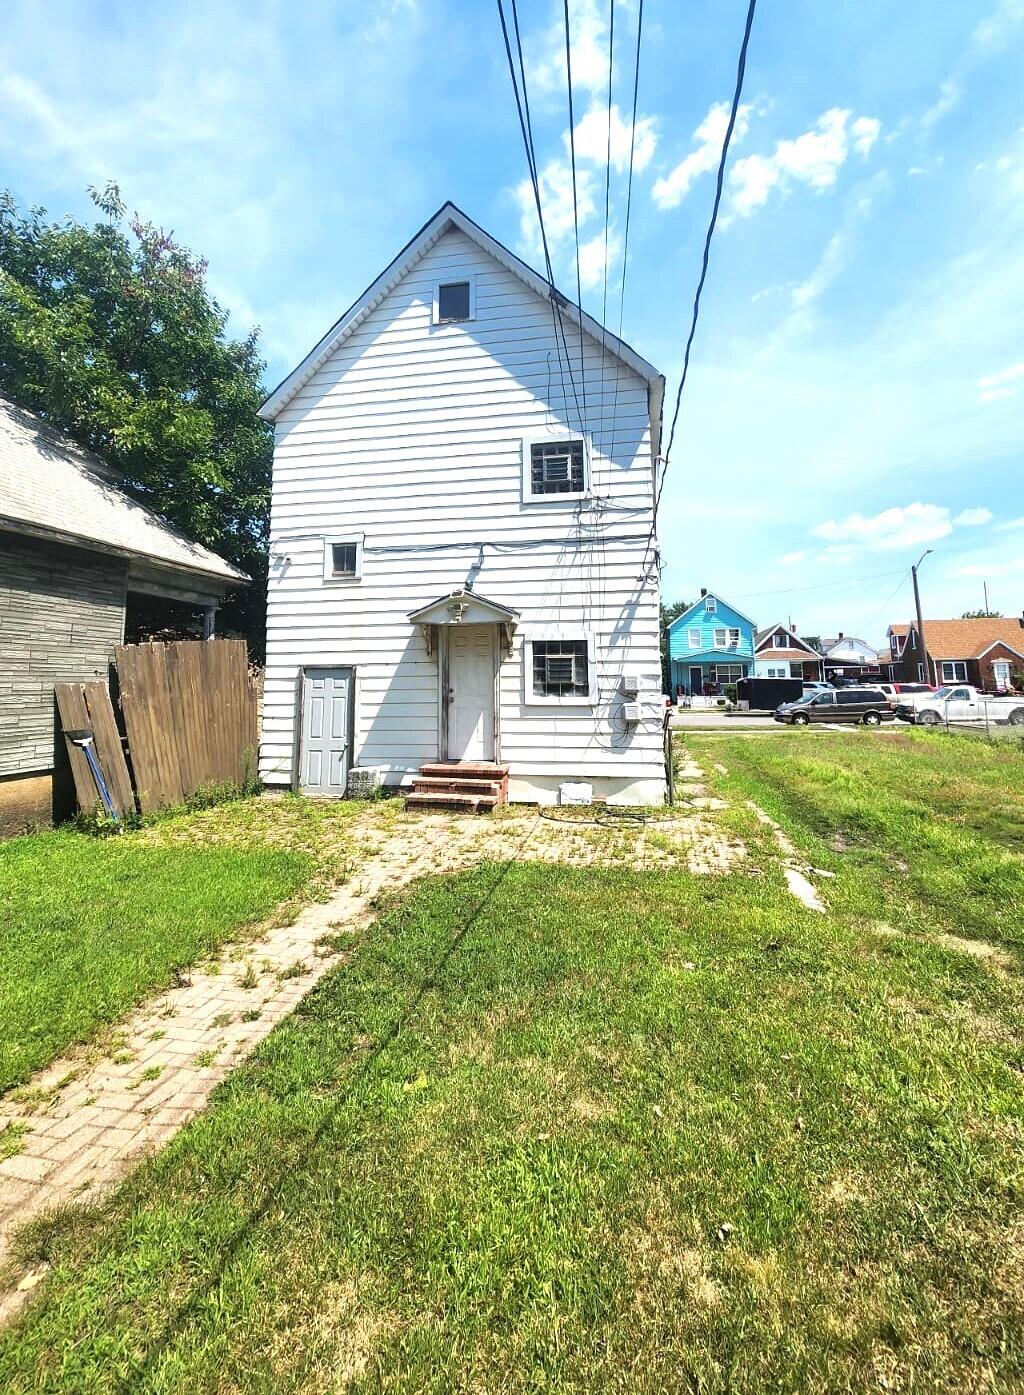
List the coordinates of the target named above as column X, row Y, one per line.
column 454, row 301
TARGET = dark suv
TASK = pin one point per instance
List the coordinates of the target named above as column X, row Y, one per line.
column 866, row 705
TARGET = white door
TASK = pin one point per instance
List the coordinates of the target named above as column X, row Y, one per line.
column 326, row 711
column 1001, row 674
column 470, row 692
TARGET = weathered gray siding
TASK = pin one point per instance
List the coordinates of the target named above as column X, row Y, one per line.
column 61, row 613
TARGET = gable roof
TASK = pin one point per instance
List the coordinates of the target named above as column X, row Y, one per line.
column 700, row 602
column 449, row 216
column 900, row 629
column 827, row 645
column 969, row 639
column 51, row 487
column 798, row 643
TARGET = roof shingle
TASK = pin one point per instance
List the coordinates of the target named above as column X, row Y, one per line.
column 50, row 484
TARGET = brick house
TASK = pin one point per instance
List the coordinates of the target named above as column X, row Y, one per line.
column 987, row 652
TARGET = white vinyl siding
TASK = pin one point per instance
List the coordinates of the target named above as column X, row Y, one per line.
column 413, row 434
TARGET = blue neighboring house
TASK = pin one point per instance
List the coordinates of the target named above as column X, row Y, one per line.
column 710, row 645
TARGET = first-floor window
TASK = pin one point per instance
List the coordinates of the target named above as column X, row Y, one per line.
column 796, row 670
column 953, row 671
column 776, row 673
column 561, row 668
column 726, row 673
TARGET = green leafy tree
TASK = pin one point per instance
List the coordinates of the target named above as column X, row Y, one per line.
column 982, row 615
column 669, row 613
column 110, row 333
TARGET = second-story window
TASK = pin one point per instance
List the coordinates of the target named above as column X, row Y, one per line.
column 734, row 638
column 779, row 641
column 721, row 639
column 557, row 467
column 454, row 302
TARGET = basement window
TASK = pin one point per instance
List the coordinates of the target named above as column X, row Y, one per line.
column 555, row 469
column 454, row 301
column 561, row 668
column 343, row 558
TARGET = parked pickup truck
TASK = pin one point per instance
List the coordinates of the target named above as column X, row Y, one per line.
column 960, row 703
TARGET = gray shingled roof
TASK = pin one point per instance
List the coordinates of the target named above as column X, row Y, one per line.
column 50, row 485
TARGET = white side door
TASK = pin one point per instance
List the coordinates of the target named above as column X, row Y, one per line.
column 324, row 757
column 470, row 693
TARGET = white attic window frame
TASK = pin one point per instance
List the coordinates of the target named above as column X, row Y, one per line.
column 455, row 280
column 553, row 437
column 333, row 540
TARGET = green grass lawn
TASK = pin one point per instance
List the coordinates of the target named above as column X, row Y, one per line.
column 569, row 1130
column 91, row 925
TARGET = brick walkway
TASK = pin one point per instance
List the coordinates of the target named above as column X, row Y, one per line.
column 84, row 1122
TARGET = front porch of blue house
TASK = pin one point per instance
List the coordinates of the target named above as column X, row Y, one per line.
column 706, row 675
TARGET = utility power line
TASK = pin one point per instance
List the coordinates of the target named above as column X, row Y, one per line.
column 575, row 205
column 719, row 185
column 526, row 128
column 629, row 202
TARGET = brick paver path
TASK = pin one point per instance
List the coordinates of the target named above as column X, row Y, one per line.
column 84, row 1122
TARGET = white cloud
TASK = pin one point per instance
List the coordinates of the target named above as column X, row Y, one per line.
column 999, row 386
column 555, row 182
column 948, row 98
column 813, row 158
column 1010, row 525
column 591, row 136
column 972, row 518
column 865, row 132
column 592, row 259
column 988, row 570
column 891, row 529
column 831, row 265
column 588, row 38
column 670, row 191
column 791, row 558
column 995, row 29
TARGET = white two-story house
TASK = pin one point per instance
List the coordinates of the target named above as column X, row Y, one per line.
column 462, row 571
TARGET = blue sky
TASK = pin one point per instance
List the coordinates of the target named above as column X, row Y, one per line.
column 857, row 389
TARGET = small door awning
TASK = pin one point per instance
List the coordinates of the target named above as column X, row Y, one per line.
column 461, row 607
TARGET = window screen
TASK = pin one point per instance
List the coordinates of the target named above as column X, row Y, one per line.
column 560, row 668
column 343, row 559
column 453, row 301
column 556, row 467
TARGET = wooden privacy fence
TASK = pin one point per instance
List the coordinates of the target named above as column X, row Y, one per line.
column 190, row 719
column 189, row 712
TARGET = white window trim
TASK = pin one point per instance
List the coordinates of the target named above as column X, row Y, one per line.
column 779, row 641
column 452, row 280
column 548, row 632
column 693, row 639
column 710, row 605
column 722, row 643
column 342, row 539
column 954, row 664
column 536, row 438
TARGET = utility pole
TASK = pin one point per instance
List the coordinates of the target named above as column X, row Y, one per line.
column 984, row 586
column 920, row 618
